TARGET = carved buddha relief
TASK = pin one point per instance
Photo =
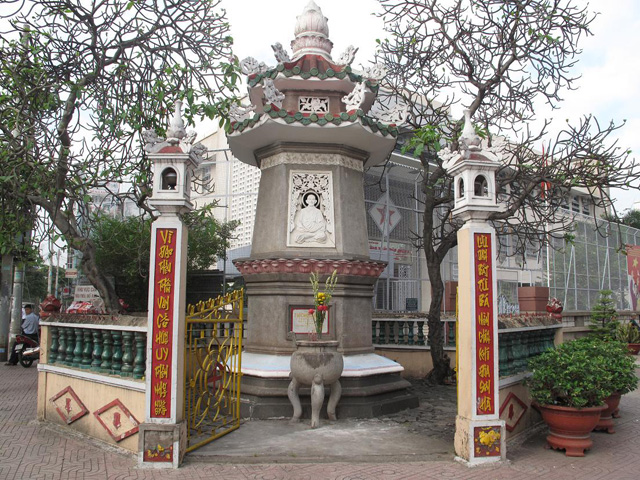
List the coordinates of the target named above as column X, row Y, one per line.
column 311, row 215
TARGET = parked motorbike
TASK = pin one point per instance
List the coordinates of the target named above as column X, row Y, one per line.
column 28, row 350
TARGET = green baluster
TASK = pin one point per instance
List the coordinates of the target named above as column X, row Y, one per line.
column 452, row 334
column 116, row 366
column 508, row 337
column 71, row 345
column 97, row 350
column 127, row 355
column 139, row 362
column 107, row 352
column 62, row 346
column 53, row 349
column 383, row 332
column 411, row 327
column 420, row 333
column 79, row 348
column 503, row 368
column 373, row 331
column 88, row 349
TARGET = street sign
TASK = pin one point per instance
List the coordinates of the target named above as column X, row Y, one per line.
column 71, row 273
column 385, row 214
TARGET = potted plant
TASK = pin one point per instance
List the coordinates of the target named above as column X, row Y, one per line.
column 604, row 317
column 569, row 385
column 628, row 333
column 317, row 362
column 621, row 379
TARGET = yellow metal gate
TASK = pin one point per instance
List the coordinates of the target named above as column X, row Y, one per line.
column 212, row 368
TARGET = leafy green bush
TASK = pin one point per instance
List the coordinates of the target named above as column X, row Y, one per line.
column 628, row 333
column 581, row 373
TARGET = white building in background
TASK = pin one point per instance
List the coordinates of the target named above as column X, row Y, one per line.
column 574, row 272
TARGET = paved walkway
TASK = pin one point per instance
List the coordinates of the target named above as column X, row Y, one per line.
column 30, row 450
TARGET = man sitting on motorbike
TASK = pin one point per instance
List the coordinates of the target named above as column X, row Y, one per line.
column 30, row 324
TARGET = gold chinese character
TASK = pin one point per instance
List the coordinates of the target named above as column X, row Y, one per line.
column 162, row 320
column 160, row 407
column 163, row 303
column 484, row 336
column 483, row 270
column 162, row 338
column 484, row 354
column 160, row 389
column 485, row 386
column 165, row 267
column 165, row 251
column 483, row 319
column 166, row 235
column 483, row 285
column 164, row 285
column 482, row 241
column 483, row 300
column 162, row 371
column 482, row 255
column 485, row 404
column 162, row 353
column 484, row 371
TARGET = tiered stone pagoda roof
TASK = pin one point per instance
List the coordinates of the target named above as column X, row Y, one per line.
column 276, row 95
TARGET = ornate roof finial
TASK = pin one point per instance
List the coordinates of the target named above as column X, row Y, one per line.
column 312, row 33
column 176, row 127
column 469, row 140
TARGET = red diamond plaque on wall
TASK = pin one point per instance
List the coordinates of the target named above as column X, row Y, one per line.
column 512, row 411
column 68, row 405
column 117, row 420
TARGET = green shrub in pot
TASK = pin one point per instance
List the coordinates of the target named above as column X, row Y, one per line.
column 581, row 373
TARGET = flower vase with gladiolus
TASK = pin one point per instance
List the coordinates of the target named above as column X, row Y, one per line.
column 321, row 299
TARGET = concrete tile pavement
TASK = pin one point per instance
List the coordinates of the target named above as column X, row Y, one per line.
column 30, row 450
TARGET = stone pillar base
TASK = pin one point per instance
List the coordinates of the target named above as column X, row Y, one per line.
column 162, row 445
column 480, row 441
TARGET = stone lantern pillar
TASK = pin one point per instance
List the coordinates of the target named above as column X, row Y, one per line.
column 312, row 129
column 480, row 434
column 163, row 438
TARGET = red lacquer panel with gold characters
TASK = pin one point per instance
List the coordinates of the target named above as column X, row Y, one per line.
column 163, row 298
column 485, row 375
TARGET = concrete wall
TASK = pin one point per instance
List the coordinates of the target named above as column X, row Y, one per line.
column 417, row 363
column 94, row 396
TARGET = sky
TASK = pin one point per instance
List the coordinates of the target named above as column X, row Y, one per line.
column 610, row 65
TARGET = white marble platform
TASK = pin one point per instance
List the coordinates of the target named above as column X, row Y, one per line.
column 277, row 366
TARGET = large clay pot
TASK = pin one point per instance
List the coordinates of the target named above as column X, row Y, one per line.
column 570, row 428
column 316, row 363
column 606, row 416
column 634, row 348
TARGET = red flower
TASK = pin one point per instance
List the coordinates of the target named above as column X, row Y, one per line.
column 311, row 311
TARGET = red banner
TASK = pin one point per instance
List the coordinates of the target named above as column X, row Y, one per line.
column 484, row 324
column 163, row 298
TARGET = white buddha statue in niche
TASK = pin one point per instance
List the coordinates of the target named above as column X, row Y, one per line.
column 310, row 223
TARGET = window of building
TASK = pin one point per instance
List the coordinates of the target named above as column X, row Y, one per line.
column 480, row 186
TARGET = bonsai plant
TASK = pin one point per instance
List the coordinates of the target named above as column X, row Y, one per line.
column 628, row 333
column 604, row 317
column 569, row 384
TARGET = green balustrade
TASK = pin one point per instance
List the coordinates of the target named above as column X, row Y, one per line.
column 139, row 360
column 420, row 333
column 62, row 346
column 53, row 349
column 78, row 349
column 116, row 359
column 411, row 327
column 107, row 352
column 88, row 349
column 127, row 354
column 97, row 350
column 71, row 345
